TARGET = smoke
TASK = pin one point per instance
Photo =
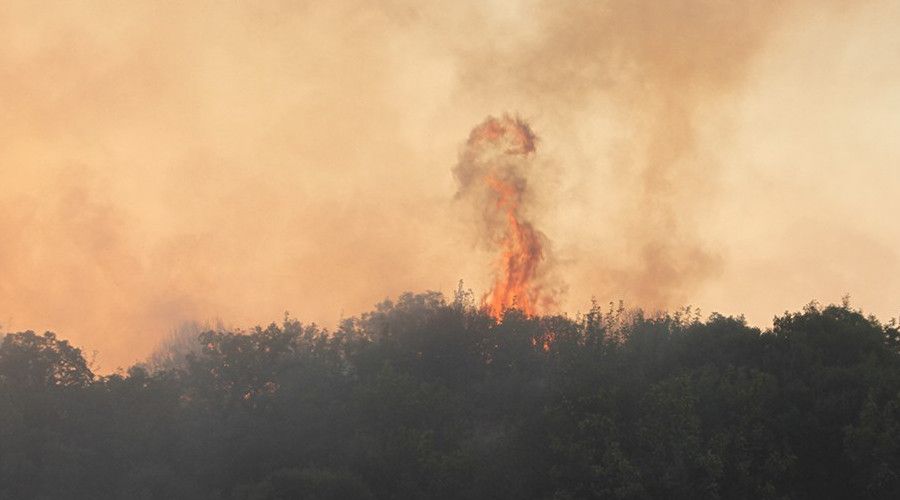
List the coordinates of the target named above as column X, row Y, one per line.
column 163, row 163
column 658, row 69
column 493, row 172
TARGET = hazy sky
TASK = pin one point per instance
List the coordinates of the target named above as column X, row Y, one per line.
column 166, row 161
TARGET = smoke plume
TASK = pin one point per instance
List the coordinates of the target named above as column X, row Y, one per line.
column 658, row 70
column 163, row 162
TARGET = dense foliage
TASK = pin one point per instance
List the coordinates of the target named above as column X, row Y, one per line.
column 427, row 399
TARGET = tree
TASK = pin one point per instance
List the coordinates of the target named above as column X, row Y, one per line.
column 32, row 361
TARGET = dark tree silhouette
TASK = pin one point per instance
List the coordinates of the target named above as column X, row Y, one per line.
column 31, row 361
column 421, row 398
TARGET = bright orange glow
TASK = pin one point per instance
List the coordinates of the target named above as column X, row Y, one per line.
column 520, row 254
column 546, row 341
column 496, row 149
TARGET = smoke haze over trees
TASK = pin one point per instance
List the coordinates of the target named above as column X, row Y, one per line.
column 421, row 398
column 163, row 162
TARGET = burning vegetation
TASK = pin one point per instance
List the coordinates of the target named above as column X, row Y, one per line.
column 492, row 173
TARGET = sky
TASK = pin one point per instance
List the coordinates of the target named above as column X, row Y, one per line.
column 163, row 162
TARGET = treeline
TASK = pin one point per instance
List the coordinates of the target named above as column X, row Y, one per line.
column 425, row 398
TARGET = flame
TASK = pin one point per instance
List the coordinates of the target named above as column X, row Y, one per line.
column 520, row 253
column 493, row 162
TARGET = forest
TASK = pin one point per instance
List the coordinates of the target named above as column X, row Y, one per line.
column 432, row 397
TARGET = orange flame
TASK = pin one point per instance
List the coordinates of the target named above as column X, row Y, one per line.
column 494, row 152
column 520, row 253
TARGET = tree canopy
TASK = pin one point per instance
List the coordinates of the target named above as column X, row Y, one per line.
column 428, row 398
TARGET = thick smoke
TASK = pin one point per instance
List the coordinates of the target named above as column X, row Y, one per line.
column 657, row 67
column 168, row 162
column 188, row 161
column 642, row 98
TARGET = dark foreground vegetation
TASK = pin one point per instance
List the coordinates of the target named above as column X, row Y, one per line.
column 427, row 399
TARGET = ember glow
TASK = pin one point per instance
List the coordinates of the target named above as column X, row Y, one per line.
column 492, row 172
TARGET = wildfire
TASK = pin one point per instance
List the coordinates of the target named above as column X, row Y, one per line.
column 491, row 170
column 520, row 253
